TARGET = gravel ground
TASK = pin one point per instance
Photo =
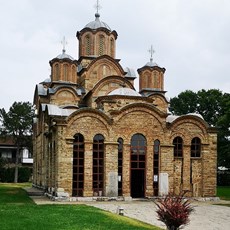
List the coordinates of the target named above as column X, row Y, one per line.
column 205, row 217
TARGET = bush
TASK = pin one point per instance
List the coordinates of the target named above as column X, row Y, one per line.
column 7, row 174
column 223, row 178
column 24, row 174
column 174, row 211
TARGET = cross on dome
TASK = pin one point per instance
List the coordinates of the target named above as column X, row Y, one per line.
column 98, row 7
column 151, row 51
column 64, row 43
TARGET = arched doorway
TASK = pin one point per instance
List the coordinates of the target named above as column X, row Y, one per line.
column 137, row 174
column 78, row 165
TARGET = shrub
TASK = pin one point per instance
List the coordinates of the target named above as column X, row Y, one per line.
column 7, row 174
column 223, row 178
column 24, row 174
column 174, row 211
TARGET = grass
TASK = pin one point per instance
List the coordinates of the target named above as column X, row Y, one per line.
column 18, row 211
column 223, row 192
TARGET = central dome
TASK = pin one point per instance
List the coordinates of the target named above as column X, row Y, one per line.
column 125, row 92
column 97, row 23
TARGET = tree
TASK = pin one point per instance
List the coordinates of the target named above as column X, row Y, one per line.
column 214, row 106
column 17, row 124
column 224, row 135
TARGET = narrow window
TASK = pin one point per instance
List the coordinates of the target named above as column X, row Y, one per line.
column 73, row 73
column 156, row 152
column 65, row 72
column 111, row 47
column 78, row 165
column 196, row 147
column 101, row 45
column 56, row 73
column 120, row 163
column 98, row 164
column 178, row 147
column 87, row 45
column 156, row 80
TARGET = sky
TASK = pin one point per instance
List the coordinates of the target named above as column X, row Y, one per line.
column 191, row 40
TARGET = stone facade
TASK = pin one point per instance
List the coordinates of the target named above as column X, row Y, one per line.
column 94, row 135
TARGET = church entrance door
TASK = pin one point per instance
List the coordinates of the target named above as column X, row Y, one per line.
column 137, row 183
column 137, row 158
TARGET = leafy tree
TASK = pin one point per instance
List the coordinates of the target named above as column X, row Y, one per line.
column 17, row 124
column 214, row 106
column 224, row 134
column 186, row 102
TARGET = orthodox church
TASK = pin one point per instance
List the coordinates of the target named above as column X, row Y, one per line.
column 96, row 136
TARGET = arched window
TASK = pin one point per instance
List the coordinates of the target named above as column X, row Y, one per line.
column 78, row 165
column 73, row 73
column 120, row 163
column 87, row 45
column 156, row 157
column 56, row 72
column 98, row 164
column 178, row 147
column 156, row 80
column 101, row 45
column 196, row 147
column 146, row 80
column 112, row 47
column 138, row 150
column 65, row 77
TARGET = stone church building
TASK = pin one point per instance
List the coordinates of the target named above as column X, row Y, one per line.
column 95, row 135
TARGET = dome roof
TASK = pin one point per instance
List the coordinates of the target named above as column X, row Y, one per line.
column 130, row 72
column 151, row 64
column 97, row 23
column 125, row 92
column 64, row 55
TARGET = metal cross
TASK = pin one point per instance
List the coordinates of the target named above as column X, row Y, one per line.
column 151, row 51
column 64, row 43
column 97, row 6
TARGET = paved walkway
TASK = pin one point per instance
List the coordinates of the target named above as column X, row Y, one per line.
column 205, row 217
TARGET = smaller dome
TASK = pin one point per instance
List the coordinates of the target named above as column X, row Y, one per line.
column 47, row 80
column 125, row 92
column 97, row 23
column 171, row 118
column 130, row 72
column 151, row 64
column 64, row 55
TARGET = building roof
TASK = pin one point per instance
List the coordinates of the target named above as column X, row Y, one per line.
column 151, row 64
column 42, row 91
column 64, row 56
column 130, row 72
column 172, row 118
column 97, row 23
column 54, row 110
column 125, row 92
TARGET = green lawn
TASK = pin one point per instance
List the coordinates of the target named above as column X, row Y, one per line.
column 18, row 211
column 223, row 192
